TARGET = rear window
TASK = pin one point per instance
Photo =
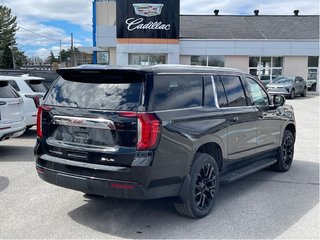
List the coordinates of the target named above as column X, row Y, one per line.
column 118, row 96
column 36, row 85
column 14, row 84
column 177, row 92
column 6, row 90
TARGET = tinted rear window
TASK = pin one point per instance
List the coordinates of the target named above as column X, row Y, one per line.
column 96, row 94
column 36, row 85
column 177, row 92
column 6, row 91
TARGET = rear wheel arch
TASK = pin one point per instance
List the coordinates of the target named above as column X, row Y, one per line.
column 214, row 150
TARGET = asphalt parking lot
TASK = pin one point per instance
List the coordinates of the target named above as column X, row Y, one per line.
column 264, row 205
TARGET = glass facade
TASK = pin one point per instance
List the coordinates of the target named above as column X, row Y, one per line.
column 146, row 59
column 265, row 68
column 103, row 58
column 214, row 61
column 313, row 67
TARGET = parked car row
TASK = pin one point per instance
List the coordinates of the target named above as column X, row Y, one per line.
column 20, row 97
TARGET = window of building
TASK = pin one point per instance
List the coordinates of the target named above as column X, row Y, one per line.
column 265, row 68
column 313, row 67
column 146, row 59
column 214, row 61
column 105, row 0
column 103, row 58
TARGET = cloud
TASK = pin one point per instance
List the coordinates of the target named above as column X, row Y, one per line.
column 73, row 11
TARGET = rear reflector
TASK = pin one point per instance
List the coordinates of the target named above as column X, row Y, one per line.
column 122, row 186
column 40, row 170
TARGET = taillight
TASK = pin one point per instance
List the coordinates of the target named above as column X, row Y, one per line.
column 39, row 119
column 148, row 129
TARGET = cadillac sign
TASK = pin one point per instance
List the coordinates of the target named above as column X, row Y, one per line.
column 148, row 19
column 147, row 9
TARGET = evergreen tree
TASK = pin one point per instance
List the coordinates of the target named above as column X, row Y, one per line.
column 8, row 29
column 51, row 59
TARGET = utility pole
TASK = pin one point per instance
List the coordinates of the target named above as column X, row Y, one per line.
column 72, row 52
column 60, row 53
column 13, row 58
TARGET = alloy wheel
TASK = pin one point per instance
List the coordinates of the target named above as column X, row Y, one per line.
column 205, row 186
column 287, row 151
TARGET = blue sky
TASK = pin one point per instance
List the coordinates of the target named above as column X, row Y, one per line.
column 44, row 22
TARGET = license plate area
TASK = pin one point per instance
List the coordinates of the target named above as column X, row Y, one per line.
column 84, row 136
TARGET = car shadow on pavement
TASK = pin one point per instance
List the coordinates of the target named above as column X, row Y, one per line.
column 11, row 153
column 29, row 134
column 19, row 149
column 262, row 205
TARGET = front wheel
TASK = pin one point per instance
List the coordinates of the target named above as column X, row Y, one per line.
column 304, row 93
column 203, row 187
column 285, row 155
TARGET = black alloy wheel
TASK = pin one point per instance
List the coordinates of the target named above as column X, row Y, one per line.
column 205, row 186
column 202, row 189
column 286, row 153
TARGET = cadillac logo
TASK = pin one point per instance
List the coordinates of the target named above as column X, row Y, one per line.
column 147, row 9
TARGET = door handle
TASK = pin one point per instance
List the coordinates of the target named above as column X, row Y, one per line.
column 235, row 119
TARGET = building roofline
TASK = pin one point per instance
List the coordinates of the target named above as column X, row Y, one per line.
column 220, row 15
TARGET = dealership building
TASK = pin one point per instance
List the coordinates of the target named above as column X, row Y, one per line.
column 151, row 32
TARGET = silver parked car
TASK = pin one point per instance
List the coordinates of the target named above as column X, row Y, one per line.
column 288, row 86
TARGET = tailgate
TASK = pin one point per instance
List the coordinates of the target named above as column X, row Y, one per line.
column 83, row 121
column 90, row 136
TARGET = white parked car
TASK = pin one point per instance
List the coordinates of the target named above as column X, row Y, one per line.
column 32, row 91
column 12, row 123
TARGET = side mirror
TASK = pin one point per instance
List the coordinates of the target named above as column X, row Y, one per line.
column 278, row 100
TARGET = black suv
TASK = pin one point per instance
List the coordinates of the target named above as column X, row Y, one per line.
column 160, row 131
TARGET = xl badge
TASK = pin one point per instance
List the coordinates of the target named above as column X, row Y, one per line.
column 147, row 9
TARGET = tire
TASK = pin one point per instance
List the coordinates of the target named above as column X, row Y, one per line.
column 202, row 189
column 304, row 93
column 292, row 94
column 314, row 87
column 286, row 152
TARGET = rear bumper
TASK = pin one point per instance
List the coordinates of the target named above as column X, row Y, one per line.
column 15, row 129
column 117, row 182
